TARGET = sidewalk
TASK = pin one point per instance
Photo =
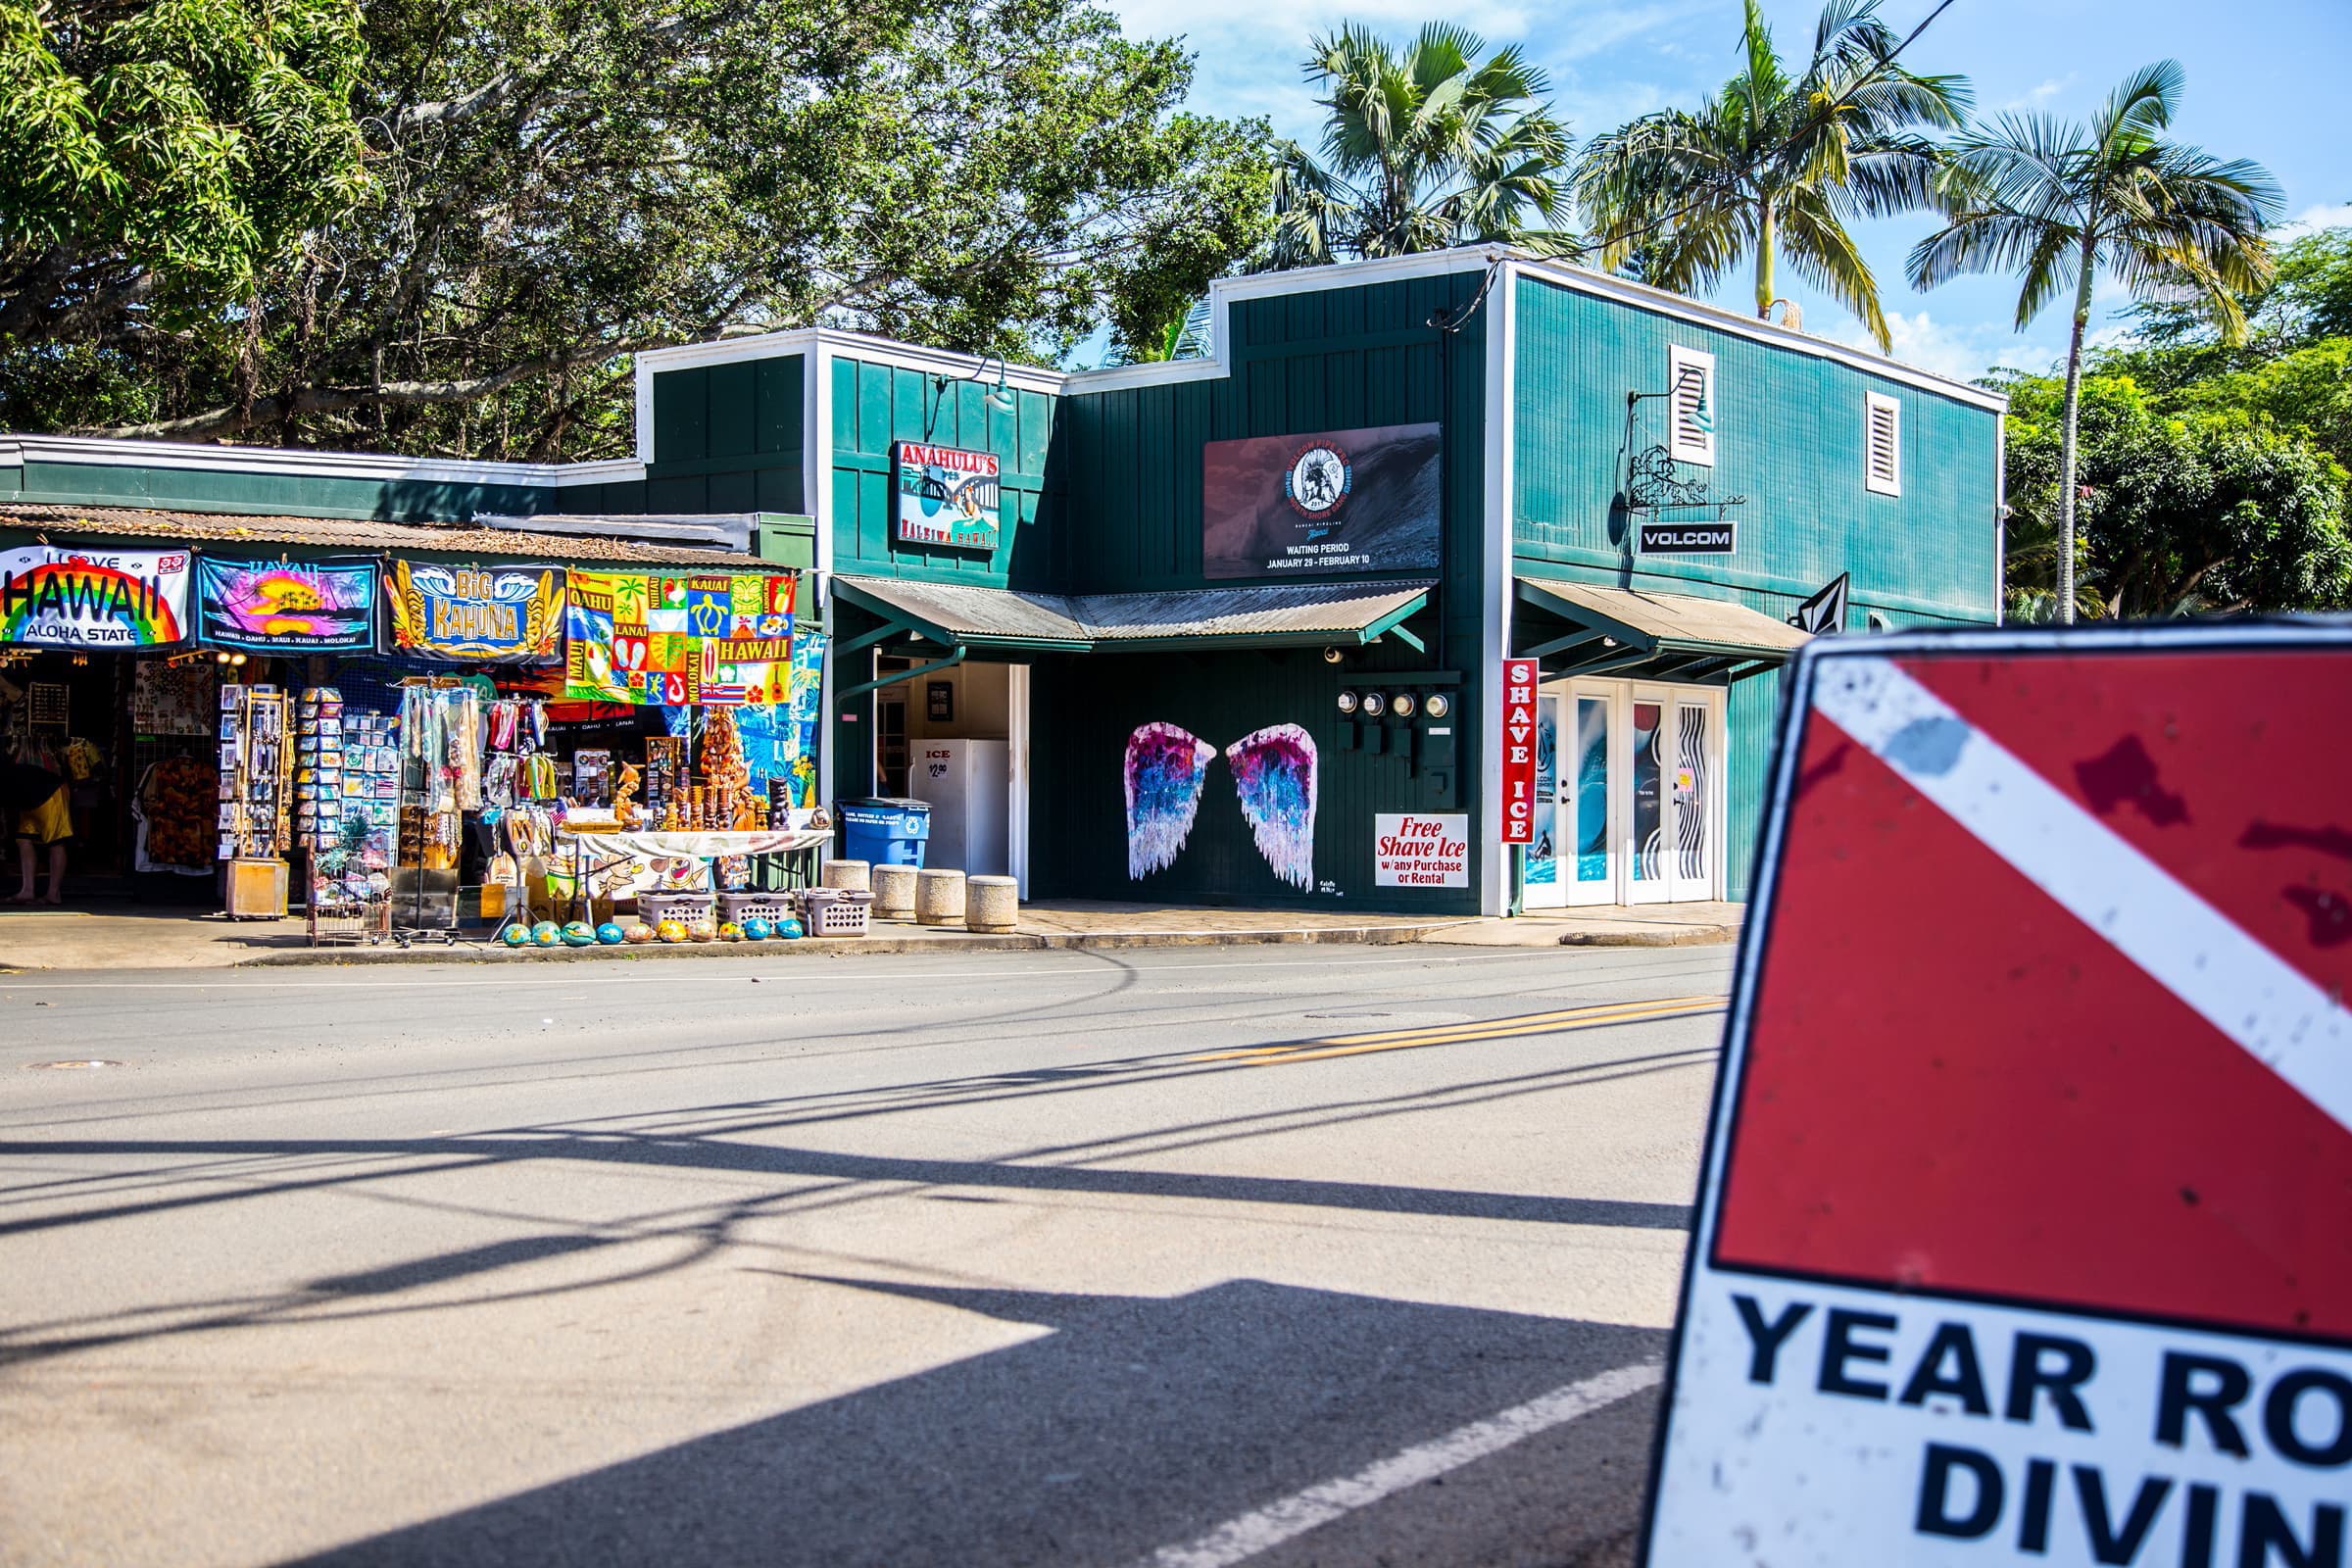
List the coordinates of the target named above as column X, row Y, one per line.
column 125, row 936
column 1606, row 926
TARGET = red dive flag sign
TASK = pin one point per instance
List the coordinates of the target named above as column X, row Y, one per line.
column 1519, row 680
column 2026, row 1227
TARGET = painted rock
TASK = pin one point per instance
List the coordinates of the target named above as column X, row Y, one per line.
column 729, row 931
column 609, row 934
column 671, row 930
column 516, row 936
column 789, row 928
column 547, row 934
column 757, row 929
column 639, row 932
column 580, row 934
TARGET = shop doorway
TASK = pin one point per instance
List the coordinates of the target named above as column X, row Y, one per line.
column 1629, row 795
column 958, row 739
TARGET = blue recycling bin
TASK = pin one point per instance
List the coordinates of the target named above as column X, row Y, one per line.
column 885, row 832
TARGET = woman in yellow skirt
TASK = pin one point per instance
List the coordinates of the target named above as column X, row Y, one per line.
column 36, row 800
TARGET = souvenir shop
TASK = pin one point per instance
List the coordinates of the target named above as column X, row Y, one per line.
column 395, row 747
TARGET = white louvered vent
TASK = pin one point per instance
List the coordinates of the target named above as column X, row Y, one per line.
column 1692, row 410
column 1882, row 443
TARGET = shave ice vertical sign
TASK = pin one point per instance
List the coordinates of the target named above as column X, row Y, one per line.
column 1518, row 814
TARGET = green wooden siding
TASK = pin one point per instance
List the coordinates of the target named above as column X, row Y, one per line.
column 727, row 438
column 1083, row 708
column 1328, row 360
column 876, row 404
column 266, row 495
column 1323, row 360
column 1788, row 437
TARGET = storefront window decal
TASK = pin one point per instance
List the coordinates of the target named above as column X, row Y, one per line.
column 1543, row 855
column 1592, row 788
column 1649, row 818
column 1690, row 794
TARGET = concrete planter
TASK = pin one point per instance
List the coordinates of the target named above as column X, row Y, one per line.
column 992, row 903
column 939, row 897
column 893, row 892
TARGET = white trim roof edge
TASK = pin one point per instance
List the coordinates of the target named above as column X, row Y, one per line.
column 1660, row 302
column 108, row 452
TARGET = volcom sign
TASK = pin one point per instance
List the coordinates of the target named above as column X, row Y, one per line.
column 1690, row 538
column 2025, row 1228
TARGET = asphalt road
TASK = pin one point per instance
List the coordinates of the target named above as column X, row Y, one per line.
column 1181, row 1257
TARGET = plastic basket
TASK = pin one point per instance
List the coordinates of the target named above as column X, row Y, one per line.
column 835, row 911
column 741, row 907
column 654, row 907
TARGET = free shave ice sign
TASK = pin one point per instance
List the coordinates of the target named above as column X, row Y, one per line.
column 1413, row 850
column 2025, row 1234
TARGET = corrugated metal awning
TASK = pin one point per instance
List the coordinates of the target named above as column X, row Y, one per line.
column 1632, row 630
column 1267, row 616
column 233, row 531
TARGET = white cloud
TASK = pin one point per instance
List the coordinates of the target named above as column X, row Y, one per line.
column 1961, row 352
column 2038, row 97
column 2316, row 218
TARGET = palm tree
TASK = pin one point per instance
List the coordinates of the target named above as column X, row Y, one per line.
column 1422, row 150
column 1775, row 167
column 2058, row 203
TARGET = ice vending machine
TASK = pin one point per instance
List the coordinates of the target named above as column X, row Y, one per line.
column 969, row 784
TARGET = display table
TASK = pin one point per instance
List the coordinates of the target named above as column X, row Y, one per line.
column 698, row 846
column 779, row 857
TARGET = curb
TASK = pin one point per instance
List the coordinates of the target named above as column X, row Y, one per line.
column 1687, row 936
column 837, row 947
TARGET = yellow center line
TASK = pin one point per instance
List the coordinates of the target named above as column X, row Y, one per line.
column 1535, row 1023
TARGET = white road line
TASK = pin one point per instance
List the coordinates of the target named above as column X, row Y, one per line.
column 1238, row 1539
column 2236, row 984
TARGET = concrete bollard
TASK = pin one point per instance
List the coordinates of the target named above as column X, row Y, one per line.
column 938, row 897
column 992, row 902
column 852, row 876
column 893, row 892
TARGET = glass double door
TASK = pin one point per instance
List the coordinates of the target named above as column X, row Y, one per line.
column 1629, row 787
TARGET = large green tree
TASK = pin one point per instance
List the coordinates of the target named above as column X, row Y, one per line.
column 2192, row 511
column 2057, row 204
column 562, row 182
column 156, row 158
column 1429, row 146
column 1775, row 166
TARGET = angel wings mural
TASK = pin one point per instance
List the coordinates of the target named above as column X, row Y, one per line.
column 1273, row 772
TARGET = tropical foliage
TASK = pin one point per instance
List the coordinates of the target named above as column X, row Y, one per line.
column 2196, row 509
column 2058, row 204
column 1435, row 145
column 1776, row 165
column 156, row 158
column 557, row 183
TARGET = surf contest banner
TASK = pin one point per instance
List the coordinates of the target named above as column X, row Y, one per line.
column 289, row 607
column 55, row 596
column 679, row 641
column 476, row 615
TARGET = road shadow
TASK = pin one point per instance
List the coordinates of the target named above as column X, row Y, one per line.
column 1134, row 1424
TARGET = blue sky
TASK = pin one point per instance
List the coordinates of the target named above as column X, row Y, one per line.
column 2265, row 82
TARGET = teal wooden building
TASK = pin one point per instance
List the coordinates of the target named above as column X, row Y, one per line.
column 1530, row 460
